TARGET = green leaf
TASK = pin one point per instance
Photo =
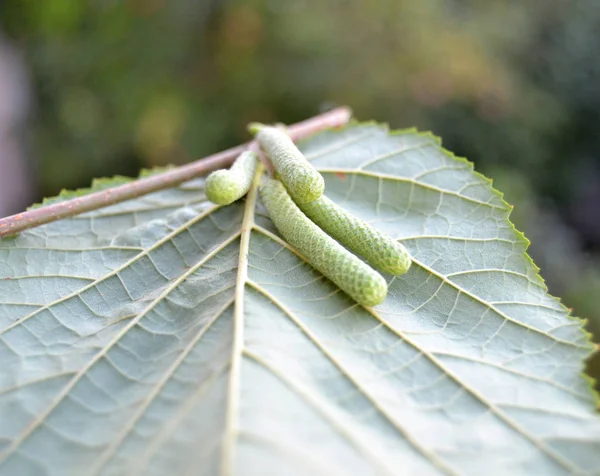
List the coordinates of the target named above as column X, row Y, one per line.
column 165, row 335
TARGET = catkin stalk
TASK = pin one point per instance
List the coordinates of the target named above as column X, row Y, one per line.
column 302, row 180
column 228, row 185
column 362, row 283
column 379, row 249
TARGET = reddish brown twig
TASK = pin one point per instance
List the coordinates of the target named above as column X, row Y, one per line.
column 38, row 216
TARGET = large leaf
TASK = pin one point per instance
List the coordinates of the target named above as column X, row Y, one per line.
column 168, row 336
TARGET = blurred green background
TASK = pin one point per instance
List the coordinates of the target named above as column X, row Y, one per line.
column 104, row 87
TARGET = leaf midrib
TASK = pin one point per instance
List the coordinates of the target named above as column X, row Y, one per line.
column 233, row 398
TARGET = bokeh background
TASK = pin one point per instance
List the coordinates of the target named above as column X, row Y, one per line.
column 92, row 88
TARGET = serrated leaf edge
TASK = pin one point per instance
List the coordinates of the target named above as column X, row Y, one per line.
column 520, row 236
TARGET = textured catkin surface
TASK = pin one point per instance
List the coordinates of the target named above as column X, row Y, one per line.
column 357, row 279
column 302, row 180
column 226, row 186
column 377, row 248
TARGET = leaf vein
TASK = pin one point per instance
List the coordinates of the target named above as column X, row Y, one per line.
column 425, row 452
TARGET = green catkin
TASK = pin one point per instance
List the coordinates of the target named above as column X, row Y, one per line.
column 362, row 283
column 379, row 249
column 228, row 185
column 302, row 180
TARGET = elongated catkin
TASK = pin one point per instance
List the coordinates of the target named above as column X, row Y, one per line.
column 379, row 249
column 365, row 285
column 228, row 185
column 302, row 180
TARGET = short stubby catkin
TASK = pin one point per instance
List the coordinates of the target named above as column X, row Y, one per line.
column 226, row 186
column 361, row 282
column 379, row 249
column 302, row 180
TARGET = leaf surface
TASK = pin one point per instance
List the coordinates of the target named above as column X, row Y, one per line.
column 165, row 335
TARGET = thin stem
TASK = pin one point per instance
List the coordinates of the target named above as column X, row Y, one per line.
column 171, row 178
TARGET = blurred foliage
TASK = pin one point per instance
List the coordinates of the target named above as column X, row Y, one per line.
column 122, row 84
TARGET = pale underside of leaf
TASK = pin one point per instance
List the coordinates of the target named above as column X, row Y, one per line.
column 168, row 336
